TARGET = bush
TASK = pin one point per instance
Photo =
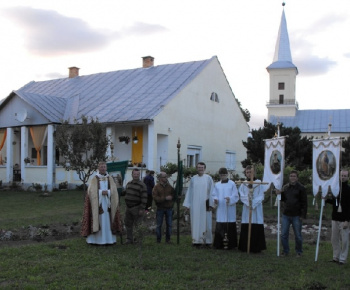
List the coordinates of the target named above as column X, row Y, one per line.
column 305, row 177
column 189, row 171
column 37, row 186
column 169, row 168
column 215, row 177
column 80, row 187
column 63, row 185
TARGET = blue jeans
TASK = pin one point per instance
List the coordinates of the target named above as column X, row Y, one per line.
column 168, row 213
column 296, row 224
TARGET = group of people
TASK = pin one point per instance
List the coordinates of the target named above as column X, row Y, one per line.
column 101, row 219
column 203, row 196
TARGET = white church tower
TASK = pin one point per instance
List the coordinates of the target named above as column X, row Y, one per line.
column 282, row 76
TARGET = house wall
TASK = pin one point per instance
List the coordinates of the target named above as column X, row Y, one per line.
column 3, row 173
column 196, row 120
column 16, row 107
column 36, row 174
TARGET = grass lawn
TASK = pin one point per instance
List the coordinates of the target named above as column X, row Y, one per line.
column 72, row 264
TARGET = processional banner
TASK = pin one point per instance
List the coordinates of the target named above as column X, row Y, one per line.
column 274, row 161
column 325, row 165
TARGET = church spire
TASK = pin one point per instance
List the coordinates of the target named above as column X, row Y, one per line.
column 283, row 74
column 282, row 57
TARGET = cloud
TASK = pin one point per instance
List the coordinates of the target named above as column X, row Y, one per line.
column 54, row 75
column 327, row 22
column 48, row 33
column 140, row 28
column 307, row 62
column 304, row 58
column 310, row 65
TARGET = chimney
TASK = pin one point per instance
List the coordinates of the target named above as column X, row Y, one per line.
column 147, row 61
column 73, row 72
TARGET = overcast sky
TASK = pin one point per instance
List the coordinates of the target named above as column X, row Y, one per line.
column 40, row 39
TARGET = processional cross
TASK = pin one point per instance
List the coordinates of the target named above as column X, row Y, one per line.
column 250, row 185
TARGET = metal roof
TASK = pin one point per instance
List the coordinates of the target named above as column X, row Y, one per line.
column 283, row 56
column 118, row 96
column 316, row 121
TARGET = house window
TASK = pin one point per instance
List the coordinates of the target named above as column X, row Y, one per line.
column 281, row 86
column 214, row 97
column 33, row 153
column 281, row 99
column 230, row 160
column 193, row 155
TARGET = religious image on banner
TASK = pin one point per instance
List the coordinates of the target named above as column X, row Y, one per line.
column 326, row 157
column 326, row 165
column 274, row 161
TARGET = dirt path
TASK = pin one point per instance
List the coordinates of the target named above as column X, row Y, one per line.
column 32, row 235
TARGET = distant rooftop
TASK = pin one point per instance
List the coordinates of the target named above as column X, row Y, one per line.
column 316, row 121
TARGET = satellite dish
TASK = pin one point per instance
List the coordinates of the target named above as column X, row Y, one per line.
column 21, row 115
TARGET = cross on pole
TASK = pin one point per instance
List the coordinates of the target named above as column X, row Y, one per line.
column 250, row 185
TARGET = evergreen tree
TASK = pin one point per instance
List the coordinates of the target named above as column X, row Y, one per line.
column 345, row 154
column 298, row 150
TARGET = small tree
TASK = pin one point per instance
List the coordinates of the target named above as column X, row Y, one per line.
column 82, row 146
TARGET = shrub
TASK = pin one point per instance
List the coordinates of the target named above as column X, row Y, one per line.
column 37, row 186
column 169, row 168
column 189, row 171
column 63, row 185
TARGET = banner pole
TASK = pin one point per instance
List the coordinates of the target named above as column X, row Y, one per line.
column 278, row 223
column 319, row 230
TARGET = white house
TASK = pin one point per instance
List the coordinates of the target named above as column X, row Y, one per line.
column 190, row 101
column 283, row 107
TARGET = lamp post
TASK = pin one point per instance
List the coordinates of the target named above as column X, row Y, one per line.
column 112, row 149
column 178, row 188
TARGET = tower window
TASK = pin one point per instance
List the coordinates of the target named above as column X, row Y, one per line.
column 281, row 86
column 281, row 99
column 214, row 97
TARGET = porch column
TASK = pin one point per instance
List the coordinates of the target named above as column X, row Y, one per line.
column 150, row 145
column 110, row 137
column 9, row 155
column 51, row 158
column 24, row 152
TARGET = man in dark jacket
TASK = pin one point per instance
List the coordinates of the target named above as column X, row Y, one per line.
column 149, row 181
column 340, row 220
column 293, row 196
column 163, row 195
